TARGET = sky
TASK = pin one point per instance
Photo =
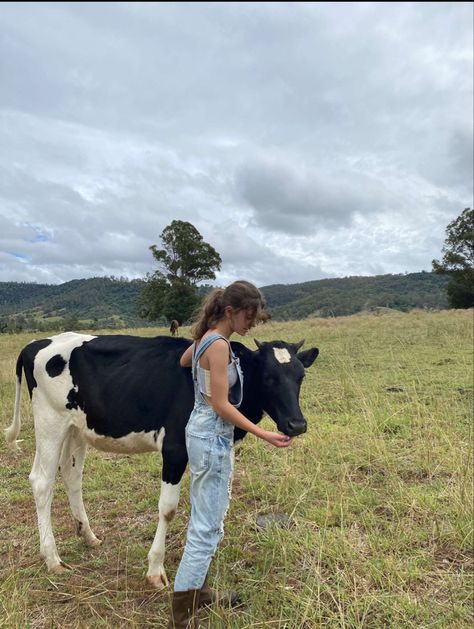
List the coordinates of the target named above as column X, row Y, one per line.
column 303, row 140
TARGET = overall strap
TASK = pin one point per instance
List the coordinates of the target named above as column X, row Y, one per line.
column 199, row 350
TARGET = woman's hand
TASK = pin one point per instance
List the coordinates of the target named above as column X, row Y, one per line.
column 277, row 440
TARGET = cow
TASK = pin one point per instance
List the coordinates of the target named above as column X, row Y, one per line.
column 128, row 394
column 174, row 325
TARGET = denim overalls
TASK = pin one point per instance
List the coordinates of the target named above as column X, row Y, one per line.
column 210, row 445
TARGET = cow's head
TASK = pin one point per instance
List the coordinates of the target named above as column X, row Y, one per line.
column 282, row 368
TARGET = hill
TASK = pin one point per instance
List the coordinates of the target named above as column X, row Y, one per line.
column 348, row 295
column 103, row 302
column 93, row 303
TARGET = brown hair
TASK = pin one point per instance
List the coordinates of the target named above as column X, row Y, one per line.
column 240, row 295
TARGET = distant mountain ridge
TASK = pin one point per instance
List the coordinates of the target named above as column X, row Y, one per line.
column 97, row 301
column 113, row 302
column 348, row 295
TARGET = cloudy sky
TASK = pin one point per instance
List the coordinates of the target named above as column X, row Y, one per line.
column 303, row 140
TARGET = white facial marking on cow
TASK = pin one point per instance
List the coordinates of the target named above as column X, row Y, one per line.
column 282, row 354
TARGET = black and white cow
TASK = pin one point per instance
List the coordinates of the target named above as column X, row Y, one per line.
column 129, row 394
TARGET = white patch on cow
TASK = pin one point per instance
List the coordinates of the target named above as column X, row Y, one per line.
column 133, row 443
column 49, row 398
column 169, row 498
column 282, row 354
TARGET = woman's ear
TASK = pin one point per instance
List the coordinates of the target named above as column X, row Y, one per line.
column 228, row 311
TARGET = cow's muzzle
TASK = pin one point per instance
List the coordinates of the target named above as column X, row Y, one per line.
column 295, row 428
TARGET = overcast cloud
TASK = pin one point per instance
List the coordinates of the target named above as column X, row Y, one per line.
column 303, row 140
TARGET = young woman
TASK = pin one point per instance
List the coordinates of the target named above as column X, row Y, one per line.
column 218, row 387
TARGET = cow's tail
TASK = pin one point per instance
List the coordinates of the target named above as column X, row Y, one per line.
column 12, row 432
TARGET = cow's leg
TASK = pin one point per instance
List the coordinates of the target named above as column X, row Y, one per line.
column 169, row 498
column 175, row 459
column 42, row 477
column 72, row 465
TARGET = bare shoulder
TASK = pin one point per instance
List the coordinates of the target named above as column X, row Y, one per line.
column 217, row 353
column 219, row 346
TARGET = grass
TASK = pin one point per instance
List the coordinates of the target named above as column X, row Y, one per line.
column 379, row 494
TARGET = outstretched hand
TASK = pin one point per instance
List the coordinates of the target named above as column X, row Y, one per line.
column 277, row 440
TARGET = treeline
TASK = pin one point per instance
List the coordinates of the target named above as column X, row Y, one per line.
column 112, row 303
column 99, row 302
column 348, row 295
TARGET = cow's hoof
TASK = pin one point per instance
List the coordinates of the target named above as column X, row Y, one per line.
column 58, row 568
column 158, row 582
column 93, row 542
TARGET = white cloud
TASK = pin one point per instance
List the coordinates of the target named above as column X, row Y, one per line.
column 303, row 140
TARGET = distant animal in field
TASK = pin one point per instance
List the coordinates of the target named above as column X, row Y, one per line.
column 129, row 394
column 174, row 326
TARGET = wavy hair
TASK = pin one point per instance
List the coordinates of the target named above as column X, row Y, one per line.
column 240, row 295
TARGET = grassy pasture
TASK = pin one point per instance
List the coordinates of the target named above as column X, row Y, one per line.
column 379, row 492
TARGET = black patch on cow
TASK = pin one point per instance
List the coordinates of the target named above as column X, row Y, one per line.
column 128, row 384
column 155, row 436
column 55, row 366
column 26, row 361
column 73, row 462
column 73, row 401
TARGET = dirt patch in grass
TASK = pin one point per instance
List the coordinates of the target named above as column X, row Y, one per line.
column 449, row 557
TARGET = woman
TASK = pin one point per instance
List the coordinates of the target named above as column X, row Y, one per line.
column 218, row 387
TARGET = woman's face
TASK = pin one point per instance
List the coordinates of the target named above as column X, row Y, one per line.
column 242, row 321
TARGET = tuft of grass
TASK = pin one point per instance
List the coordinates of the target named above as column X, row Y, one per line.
column 378, row 494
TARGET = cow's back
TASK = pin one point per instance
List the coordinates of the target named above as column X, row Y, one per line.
column 129, row 382
column 111, row 385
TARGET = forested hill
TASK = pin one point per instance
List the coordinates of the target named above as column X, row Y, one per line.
column 112, row 303
column 348, row 295
column 94, row 302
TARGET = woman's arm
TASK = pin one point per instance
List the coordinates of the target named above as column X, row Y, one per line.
column 186, row 359
column 218, row 356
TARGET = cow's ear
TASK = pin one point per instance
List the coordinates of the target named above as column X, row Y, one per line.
column 258, row 344
column 308, row 356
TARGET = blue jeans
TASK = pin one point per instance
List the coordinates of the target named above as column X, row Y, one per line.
column 210, row 445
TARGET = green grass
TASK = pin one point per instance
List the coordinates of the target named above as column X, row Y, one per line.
column 379, row 493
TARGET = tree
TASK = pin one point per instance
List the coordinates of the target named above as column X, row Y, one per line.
column 184, row 260
column 70, row 322
column 458, row 260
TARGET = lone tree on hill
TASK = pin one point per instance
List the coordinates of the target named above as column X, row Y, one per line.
column 184, row 260
column 458, row 260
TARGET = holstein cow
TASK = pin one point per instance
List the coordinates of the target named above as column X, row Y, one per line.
column 129, row 394
column 174, row 325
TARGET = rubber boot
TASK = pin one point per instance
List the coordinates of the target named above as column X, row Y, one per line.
column 226, row 598
column 183, row 611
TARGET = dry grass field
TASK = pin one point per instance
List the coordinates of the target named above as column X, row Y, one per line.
column 378, row 492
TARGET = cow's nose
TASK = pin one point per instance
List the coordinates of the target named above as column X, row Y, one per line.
column 296, row 428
